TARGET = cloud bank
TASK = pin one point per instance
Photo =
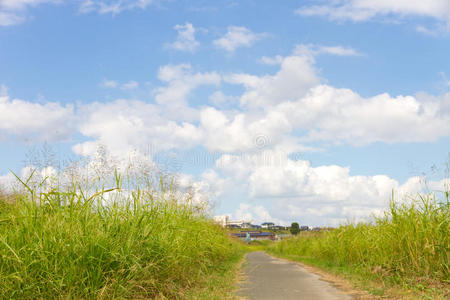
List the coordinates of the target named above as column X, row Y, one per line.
column 276, row 116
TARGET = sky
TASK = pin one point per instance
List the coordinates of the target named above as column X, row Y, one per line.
column 292, row 111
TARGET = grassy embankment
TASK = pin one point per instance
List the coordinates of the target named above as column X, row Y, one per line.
column 406, row 250
column 142, row 244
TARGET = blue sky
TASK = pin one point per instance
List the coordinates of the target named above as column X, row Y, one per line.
column 351, row 96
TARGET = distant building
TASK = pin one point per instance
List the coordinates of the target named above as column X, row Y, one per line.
column 267, row 225
column 233, row 226
column 279, row 227
column 221, row 220
column 304, row 228
column 246, row 225
column 224, row 221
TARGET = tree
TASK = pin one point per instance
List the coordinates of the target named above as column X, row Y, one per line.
column 295, row 229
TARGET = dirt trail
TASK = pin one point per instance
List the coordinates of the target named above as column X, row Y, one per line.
column 267, row 277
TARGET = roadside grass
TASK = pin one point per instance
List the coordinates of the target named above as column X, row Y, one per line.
column 222, row 283
column 62, row 243
column 405, row 252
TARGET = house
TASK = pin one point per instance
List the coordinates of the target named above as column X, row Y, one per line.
column 246, row 225
column 278, row 227
column 267, row 225
column 224, row 221
column 304, row 228
column 254, row 235
column 233, row 226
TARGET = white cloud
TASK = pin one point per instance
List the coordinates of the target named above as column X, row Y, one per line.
column 218, row 98
column 181, row 81
column 7, row 19
column 278, row 59
column 314, row 50
column 13, row 12
column 341, row 115
column 295, row 77
column 313, row 195
column 185, row 39
column 246, row 132
column 444, row 79
column 256, row 214
column 125, row 125
column 237, row 37
column 131, row 85
column 288, row 111
column 427, row 31
column 361, row 10
column 207, row 188
column 109, row 83
column 23, row 4
column 33, row 122
column 113, row 6
column 293, row 97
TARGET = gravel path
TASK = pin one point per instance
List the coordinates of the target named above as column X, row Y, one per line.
column 267, row 277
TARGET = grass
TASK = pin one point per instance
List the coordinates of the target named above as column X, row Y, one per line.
column 408, row 248
column 113, row 243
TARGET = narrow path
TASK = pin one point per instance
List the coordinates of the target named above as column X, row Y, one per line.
column 267, row 277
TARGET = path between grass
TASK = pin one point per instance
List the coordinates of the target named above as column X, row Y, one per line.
column 267, row 277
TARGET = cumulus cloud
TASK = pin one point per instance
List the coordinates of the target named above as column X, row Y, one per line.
column 125, row 125
column 341, row 115
column 219, row 99
column 185, row 39
column 362, row 10
column 313, row 195
column 295, row 101
column 246, row 132
column 181, row 81
column 288, row 111
column 33, row 122
column 295, row 77
column 238, row 36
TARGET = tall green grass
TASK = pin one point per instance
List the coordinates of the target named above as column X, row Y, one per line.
column 113, row 243
column 408, row 246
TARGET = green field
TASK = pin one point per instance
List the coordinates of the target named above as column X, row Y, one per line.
column 408, row 249
column 115, row 243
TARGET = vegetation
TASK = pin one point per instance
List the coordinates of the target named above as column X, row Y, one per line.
column 295, row 228
column 93, row 242
column 407, row 247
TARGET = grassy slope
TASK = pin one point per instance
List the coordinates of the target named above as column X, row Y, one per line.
column 407, row 250
column 81, row 250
